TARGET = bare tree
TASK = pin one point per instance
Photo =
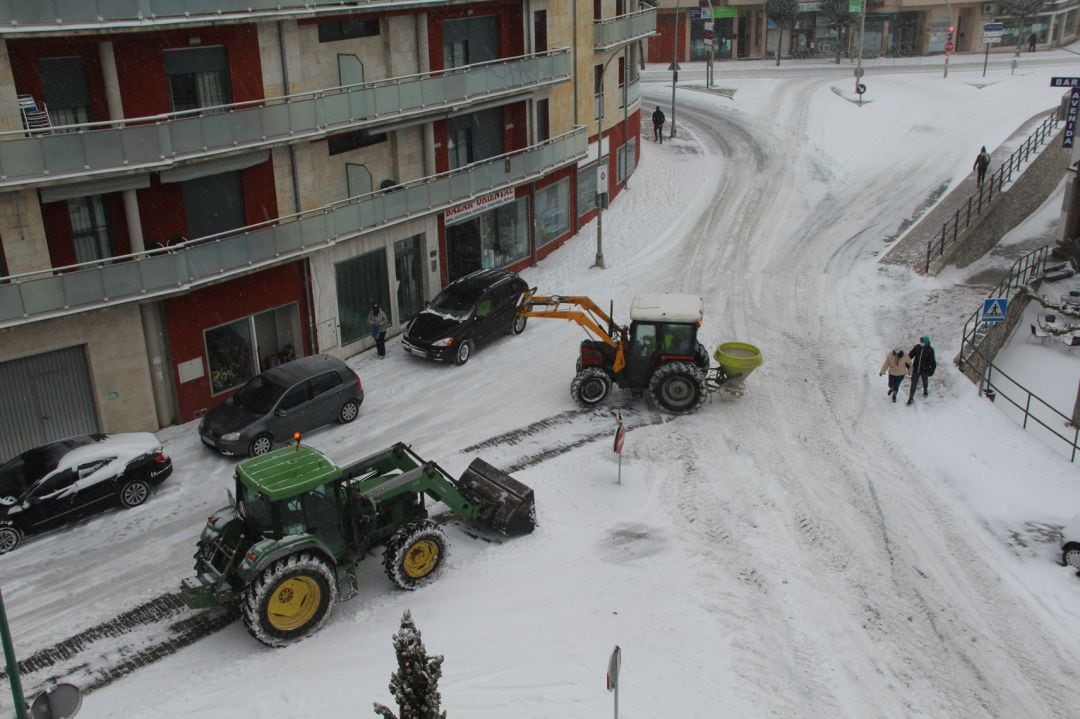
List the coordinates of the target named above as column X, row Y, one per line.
column 1024, row 11
column 840, row 18
column 783, row 12
column 415, row 685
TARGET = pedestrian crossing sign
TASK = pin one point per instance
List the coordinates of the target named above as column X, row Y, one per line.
column 994, row 309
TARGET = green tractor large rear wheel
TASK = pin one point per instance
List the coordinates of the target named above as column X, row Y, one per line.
column 290, row 600
column 415, row 554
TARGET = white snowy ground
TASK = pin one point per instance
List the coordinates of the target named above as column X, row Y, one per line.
column 809, row 550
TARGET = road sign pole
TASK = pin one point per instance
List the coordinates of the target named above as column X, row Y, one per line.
column 984, row 387
column 986, row 58
column 12, row 665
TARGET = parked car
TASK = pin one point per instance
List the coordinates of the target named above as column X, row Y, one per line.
column 1070, row 543
column 56, row 483
column 469, row 311
column 293, row 397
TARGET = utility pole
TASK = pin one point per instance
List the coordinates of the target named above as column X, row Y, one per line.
column 858, row 55
column 710, row 38
column 949, row 47
column 675, row 66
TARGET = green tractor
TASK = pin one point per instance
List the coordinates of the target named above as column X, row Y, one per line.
column 286, row 547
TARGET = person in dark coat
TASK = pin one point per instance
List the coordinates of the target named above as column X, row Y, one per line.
column 923, row 365
column 981, row 163
column 1031, row 42
column 658, row 121
column 378, row 321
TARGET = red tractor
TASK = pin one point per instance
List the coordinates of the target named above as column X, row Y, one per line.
column 659, row 351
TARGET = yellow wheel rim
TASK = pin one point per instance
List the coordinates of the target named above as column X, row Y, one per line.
column 421, row 559
column 293, row 603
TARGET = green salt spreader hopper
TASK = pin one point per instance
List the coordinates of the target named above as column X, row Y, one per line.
column 285, row 549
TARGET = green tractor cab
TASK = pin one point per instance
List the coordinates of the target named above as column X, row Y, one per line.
column 285, row 549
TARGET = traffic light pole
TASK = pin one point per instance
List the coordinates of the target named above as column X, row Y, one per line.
column 949, row 38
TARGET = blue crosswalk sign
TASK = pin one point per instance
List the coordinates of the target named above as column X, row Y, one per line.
column 994, row 309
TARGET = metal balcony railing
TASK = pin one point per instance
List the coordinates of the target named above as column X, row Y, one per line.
column 155, row 143
column 60, row 291
column 620, row 30
column 64, row 16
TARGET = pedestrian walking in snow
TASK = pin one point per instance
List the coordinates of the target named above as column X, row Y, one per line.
column 981, row 163
column 923, row 365
column 378, row 321
column 1031, row 42
column 658, row 121
column 898, row 366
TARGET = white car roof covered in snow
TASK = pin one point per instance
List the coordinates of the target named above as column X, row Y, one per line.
column 667, row 308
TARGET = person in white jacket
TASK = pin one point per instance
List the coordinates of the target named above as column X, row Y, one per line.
column 898, row 366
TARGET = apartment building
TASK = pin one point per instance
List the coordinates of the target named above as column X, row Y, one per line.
column 893, row 28
column 192, row 191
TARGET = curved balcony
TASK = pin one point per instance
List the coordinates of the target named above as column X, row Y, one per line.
column 180, row 268
column 19, row 17
column 622, row 29
column 151, row 144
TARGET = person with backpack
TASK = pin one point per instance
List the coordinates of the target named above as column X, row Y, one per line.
column 898, row 366
column 923, row 365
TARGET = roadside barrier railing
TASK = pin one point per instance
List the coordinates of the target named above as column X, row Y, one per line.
column 981, row 200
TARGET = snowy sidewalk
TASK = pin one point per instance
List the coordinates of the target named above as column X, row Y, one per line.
column 910, row 249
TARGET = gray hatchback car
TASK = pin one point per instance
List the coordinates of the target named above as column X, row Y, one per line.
column 294, row 397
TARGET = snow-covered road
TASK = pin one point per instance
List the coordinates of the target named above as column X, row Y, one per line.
column 808, row 550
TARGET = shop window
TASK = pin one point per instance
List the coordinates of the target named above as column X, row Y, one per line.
column 198, row 77
column 492, row 240
column 67, row 94
column 238, row 350
column 89, row 229
column 543, row 127
column 361, row 281
column 347, row 29
column 552, row 211
column 408, row 270
column 586, row 189
column 627, row 159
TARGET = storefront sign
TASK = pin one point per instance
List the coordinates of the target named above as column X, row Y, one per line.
column 479, row 205
column 1070, row 119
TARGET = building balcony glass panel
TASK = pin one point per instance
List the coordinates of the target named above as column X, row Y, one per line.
column 160, row 142
column 179, row 268
column 622, row 29
column 63, row 16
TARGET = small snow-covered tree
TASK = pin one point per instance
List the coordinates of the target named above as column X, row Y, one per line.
column 783, row 13
column 415, row 685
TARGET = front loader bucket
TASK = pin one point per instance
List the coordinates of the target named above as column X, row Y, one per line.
column 505, row 504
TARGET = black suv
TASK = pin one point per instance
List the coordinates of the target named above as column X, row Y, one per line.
column 469, row 310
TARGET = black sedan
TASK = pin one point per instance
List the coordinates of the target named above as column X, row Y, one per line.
column 56, row 483
column 473, row 309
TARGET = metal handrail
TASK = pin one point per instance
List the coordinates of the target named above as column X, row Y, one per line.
column 285, row 219
column 1074, row 442
column 274, row 100
column 1002, row 175
column 1023, row 271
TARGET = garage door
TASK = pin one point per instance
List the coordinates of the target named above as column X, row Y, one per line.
column 44, row 398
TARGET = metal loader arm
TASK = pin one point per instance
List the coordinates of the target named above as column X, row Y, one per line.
column 575, row 308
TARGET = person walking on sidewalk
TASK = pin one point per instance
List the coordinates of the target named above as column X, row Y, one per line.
column 378, row 321
column 1031, row 42
column 658, row 121
column 898, row 366
column 981, row 163
column 923, row 365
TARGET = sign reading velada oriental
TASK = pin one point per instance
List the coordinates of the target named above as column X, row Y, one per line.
column 479, row 205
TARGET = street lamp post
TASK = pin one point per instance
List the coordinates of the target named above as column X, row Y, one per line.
column 601, row 176
column 675, row 66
